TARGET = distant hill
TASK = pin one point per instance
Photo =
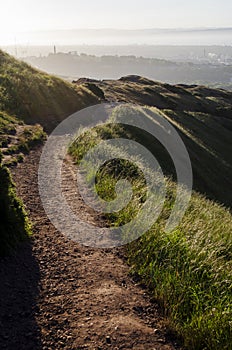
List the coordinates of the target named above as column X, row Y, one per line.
column 77, row 65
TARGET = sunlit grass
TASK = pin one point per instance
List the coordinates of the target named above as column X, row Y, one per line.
column 189, row 270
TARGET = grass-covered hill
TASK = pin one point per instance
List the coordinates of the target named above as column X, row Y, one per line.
column 188, row 270
column 36, row 97
column 202, row 117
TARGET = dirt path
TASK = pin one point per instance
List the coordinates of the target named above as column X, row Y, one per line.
column 56, row 294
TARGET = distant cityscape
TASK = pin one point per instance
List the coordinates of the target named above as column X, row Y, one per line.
column 204, row 64
column 208, row 65
column 196, row 54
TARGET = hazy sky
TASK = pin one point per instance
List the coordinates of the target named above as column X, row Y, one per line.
column 27, row 15
column 50, row 14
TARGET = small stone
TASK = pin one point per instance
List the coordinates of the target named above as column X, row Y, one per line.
column 161, row 340
column 108, row 340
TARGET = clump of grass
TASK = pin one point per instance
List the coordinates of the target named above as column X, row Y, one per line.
column 29, row 138
column 7, row 124
column 188, row 270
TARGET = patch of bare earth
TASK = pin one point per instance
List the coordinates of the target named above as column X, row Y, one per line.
column 57, row 294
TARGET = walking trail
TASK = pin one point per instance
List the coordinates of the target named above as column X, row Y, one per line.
column 57, row 294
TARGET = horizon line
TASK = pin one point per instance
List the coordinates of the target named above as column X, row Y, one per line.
column 125, row 29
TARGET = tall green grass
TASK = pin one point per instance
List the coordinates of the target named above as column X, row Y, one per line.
column 189, row 270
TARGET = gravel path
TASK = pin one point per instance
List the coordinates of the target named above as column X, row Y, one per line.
column 56, row 294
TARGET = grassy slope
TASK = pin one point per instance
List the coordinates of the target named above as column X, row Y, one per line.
column 36, row 97
column 188, row 270
column 203, row 118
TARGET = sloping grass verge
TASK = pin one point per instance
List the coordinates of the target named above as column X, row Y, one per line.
column 189, row 270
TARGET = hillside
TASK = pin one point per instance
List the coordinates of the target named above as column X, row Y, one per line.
column 203, row 118
column 180, row 268
column 36, row 97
